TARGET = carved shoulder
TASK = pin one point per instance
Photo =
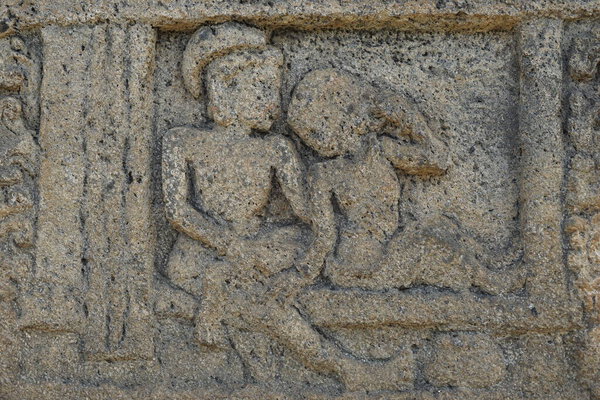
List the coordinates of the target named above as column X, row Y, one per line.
column 183, row 139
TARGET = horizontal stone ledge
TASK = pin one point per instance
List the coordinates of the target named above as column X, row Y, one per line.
column 419, row 22
column 438, row 310
column 476, row 15
column 74, row 391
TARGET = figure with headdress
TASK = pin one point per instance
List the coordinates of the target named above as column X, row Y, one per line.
column 216, row 183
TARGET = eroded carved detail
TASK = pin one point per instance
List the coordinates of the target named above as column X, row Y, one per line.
column 293, row 247
column 217, row 182
column 244, row 256
column 370, row 136
column 18, row 169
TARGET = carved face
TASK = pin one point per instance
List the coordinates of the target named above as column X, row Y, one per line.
column 330, row 111
column 243, row 88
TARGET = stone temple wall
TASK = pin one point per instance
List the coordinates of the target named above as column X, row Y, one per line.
column 290, row 199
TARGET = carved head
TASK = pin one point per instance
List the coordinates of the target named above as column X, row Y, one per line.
column 243, row 88
column 330, row 110
column 242, row 75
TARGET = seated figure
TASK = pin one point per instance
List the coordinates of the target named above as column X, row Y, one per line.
column 216, row 183
column 369, row 136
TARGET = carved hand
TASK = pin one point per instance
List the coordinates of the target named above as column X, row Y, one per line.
column 421, row 154
column 241, row 252
column 309, row 266
column 412, row 159
column 270, row 254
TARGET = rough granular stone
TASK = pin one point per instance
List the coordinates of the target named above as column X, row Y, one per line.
column 300, row 200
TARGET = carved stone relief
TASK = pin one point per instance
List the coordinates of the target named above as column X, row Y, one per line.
column 312, row 202
column 19, row 157
column 287, row 207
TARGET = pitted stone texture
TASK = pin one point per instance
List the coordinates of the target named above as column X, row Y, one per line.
column 419, row 68
column 582, row 189
column 465, row 360
column 19, row 155
column 543, row 371
column 221, row 200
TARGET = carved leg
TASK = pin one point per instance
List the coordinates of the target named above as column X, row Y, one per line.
column 209, row 327
column 439, row 253
column 290, row 329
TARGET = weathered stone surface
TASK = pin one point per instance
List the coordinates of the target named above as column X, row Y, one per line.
column 465, row 360
column 300, row 200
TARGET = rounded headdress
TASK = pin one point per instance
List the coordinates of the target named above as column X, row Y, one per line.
column 210, row 42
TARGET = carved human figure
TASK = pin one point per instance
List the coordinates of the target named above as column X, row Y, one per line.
column 216, row 183
column 368, row 135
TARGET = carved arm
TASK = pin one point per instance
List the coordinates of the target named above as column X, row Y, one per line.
column 323, row 220
column 178, row 145
column 412, row 147
column 290, row 172
column 412, row 159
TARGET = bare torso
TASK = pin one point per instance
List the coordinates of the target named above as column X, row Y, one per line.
column 367, row 194
column 233, row 178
